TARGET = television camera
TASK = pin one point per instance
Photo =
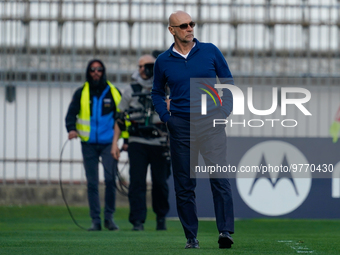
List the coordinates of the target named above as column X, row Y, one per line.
column 140, row 121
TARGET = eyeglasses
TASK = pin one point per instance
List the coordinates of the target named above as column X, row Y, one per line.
column 185, row 25
column 99, row 69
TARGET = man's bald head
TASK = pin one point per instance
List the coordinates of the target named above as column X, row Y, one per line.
column 184, row 34
column 176, row 17
column 146, row 59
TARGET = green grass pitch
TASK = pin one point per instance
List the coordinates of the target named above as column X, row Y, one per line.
column 50, row 230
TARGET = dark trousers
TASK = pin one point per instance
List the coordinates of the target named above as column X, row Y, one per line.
column 186, row 141
column 140, row 156
column 91, row 154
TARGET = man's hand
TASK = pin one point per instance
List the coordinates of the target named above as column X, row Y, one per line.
column 168, row 104
column 115, row 151
column 72, row 134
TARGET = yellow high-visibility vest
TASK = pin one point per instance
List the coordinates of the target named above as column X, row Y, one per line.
column 83, row 123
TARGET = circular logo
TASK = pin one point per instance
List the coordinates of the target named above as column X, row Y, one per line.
column 271, row 179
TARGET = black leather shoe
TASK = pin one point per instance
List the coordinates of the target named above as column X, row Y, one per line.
column 225, row 240
column 161, row 224
column 95, row 227
column 192, row 244
column 110, row 225
column 138, row 226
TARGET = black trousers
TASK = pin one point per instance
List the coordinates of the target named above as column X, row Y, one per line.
column 186, row 142
column 140, row 156
column 91, row 154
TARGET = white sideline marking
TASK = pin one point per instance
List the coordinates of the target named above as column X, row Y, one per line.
column 296, row 246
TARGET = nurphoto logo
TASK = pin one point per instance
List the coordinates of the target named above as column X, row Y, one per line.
column 239, row 105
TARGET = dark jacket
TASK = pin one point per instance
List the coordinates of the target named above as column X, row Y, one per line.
column 102, row 108
column 204, row 61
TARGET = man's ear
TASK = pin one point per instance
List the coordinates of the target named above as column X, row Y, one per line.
column 171, row 30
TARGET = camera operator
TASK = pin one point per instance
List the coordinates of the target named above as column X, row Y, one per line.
column 146, row 145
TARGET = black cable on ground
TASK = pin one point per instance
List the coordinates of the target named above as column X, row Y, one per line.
column 122, row 188
column 62, row 190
